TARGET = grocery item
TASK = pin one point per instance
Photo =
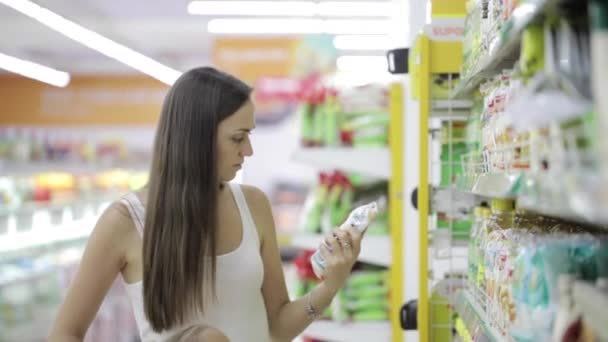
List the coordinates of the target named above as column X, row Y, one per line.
column 314, row 206
column 479, row 217
column 500, row 219
column 344, row 117
column 358, row 220
column 542, row 261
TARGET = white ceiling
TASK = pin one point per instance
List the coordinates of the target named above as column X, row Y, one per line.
column 161, row 29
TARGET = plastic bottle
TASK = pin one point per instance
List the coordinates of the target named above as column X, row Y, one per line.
column 314, row 204
column 358, row 220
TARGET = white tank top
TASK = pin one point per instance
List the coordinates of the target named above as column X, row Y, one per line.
column 239, row 312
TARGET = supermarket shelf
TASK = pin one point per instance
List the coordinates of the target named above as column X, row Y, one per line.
column 375, row 249
column 349, row 332
column 451, row 109
column 507, row 50
column 29, row 208
column 593, row 305
column 495, row 185
column 372, row 162
column 454, row 104
column 28, row 168
column 474, row 317
column 586, row 202
column 42, row 235
column 36, row 330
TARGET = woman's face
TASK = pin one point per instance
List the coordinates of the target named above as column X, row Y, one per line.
column 233, row 141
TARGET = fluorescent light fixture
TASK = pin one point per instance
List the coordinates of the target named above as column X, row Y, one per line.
column 355, row 9
column 292, row 8
column 357, row 26
column 362, row 42
column 361, row 63
column 34, row 71
column 297, row 26
column 264, row 26
column 95, row 41
column 253, row 8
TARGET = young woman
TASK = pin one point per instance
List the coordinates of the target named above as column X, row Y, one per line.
column 193, row 249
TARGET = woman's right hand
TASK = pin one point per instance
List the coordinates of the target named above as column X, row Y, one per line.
column 340, row 251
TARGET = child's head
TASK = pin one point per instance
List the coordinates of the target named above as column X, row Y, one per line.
column 200, row 333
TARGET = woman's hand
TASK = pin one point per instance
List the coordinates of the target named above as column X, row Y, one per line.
column 340, row 251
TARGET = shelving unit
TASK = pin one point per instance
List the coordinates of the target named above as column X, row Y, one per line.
column 375, row 249
column 10, row 168
column 349, row 332
column 372, row 162
column 381, row 163
column 528, row 176
column 43, row 236
column 450, row 109
column 506, row 51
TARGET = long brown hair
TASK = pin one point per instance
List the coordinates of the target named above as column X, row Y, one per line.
column 179, row 244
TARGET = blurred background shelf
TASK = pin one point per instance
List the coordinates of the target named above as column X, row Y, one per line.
column 15, row 168
column 349, row 332
column 372, row 162
column 46, row 235
column 451, row 109
column 375, row 249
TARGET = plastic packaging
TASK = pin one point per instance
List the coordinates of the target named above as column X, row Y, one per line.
column 313, row 206
column 358, row 220
column 501, row 218
column 542, row 261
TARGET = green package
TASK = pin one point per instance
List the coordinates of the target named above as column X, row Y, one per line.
column 366, row 278
column 369, row 291
column 370, row 316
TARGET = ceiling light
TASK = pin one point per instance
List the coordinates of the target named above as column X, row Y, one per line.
column 35, row 71
column 297, row 26
column 253, row 8
column 292, row 8
column 355, row 9
column 264, row 26
column 356, row 26
column 362, row 42
column 367, row 63
column 95, row 41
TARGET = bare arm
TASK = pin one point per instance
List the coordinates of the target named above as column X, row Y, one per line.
column 288, row 319
column 103, row 259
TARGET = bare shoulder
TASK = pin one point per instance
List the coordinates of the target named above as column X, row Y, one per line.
column 259, row 205
column 114, row 227
column 255, row 197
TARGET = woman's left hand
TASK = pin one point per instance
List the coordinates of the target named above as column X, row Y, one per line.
column 340, row 251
